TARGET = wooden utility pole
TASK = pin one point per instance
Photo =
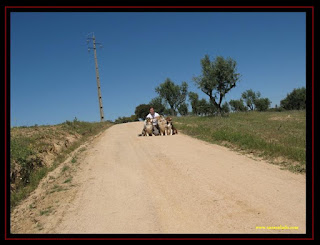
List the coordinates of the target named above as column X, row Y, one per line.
column 97, row 75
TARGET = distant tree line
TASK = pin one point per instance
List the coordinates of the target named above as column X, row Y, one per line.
column 132, row 118
column 250, row 101
column 218, row 77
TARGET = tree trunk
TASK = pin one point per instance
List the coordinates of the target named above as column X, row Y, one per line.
column 219, row 105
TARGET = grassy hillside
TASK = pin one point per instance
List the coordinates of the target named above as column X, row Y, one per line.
column 279, row 137
column 36, row 150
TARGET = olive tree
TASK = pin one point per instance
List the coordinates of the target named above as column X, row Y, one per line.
column 218, row 78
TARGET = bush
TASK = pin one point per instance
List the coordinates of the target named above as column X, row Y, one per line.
column 225, row 109
column 204, row 107
column 183, row 109
column 141, row 111
column 276, row 109
column 237, row 105
column 132, row 118
column 21, row 151
column 262, row 104
column 296, row 100
column 250, row 97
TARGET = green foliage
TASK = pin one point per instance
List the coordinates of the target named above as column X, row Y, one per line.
column 172, row 94
column 237, row 105
column 21, row 148
column 276, row 109
column 158, row 105
column 183, row 109
column 132, row 118
column 252, row 100
column 194, row 101
column 203, row 107
column 168, row 112
column 218, row 78
column 142, row 111
column 296, row 100
column 23, row 153
column 250, row 97
column 225, row 109
column 262, row 104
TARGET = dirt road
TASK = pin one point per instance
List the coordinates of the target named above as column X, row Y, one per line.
column 174, row 184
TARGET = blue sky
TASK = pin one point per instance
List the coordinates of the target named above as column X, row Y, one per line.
column 53, row 74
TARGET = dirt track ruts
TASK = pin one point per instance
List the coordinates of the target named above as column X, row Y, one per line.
column 176, row 184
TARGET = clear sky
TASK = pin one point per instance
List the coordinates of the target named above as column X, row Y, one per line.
column 53, row 74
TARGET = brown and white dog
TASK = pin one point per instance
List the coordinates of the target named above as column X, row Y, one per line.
column 162, row 123
column 149, row 127
column 170, row 128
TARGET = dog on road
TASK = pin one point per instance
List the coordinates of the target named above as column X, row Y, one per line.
column 171, row 130
column 162, row 123
column 149, row 127
column 169, row 126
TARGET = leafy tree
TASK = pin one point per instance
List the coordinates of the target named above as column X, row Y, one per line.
column 250, row 97
column 296, row 100
column 158, row 105
column 237, row 105
column 262, row 104
column 183, row 109
column 142, row 111
column 213, row 109
column 204, row 107
column 194, row 101
column 218, row 78
column 172, row 94
column 167, row 111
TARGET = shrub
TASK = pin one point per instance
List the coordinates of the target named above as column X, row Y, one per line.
column 237, row 105
column 296, row 100
column 262, row 104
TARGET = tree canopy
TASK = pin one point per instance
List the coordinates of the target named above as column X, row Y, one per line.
column 296, row 100
column 237, row 105
column 218, row 78
column 262, row 104
column 249, row 97
column 174, row 95
column 142, row 111
column 194, row 101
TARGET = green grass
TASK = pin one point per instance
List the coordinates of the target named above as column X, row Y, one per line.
column 276, row 136
column 29, row 144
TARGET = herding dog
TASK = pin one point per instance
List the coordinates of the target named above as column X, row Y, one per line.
column 170, row 128
column 149, row 127
column 162, row 123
